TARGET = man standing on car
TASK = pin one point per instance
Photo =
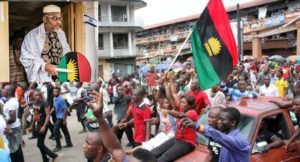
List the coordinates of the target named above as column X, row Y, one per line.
column 235, row 147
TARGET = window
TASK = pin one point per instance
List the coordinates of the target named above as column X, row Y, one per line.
column 119, row 13
column 274, row 125
column 100, row 41
column 120, row 41
column 99, row 12
column 277, row 125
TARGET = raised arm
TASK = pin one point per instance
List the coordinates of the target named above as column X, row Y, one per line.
column 173, row 89
column 229, row 142
column 282, row 103
column 170, row 96
column 110, row 141
column 295, row 135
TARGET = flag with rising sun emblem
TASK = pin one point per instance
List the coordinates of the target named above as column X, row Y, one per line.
column 213, row 45
column 78, row 66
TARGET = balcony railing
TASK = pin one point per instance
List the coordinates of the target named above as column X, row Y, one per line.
column 106, row 21
column 269, row 22
column 165, row 50
column 106, row 53
column 161, row 38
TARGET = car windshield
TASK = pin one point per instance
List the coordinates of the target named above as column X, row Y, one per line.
column 245, row 126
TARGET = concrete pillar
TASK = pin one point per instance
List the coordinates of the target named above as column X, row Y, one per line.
column 128, row 14
column 79, row 28
column 111, row 44
column 109, row 13
column 130, row 44
column 256, row 47
column 298, row 38
column 91, row 39
column 4, row 42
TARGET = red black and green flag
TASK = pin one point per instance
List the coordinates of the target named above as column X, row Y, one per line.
column 78, row 64
column 213, row 45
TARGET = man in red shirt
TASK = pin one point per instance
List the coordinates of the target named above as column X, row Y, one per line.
column 286, row 72
column 151, row 76
column 140, row 113
column 19, row 93
column 201, row 98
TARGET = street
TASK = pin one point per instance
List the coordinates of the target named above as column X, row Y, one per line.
column 74, row 154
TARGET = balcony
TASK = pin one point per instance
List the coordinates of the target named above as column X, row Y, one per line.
column 160, row 38
column 109, row 21
column 272, row 44
column 168, row 50
column 269, row 23
column 118, row 53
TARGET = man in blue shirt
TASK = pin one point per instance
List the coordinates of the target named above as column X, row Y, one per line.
column 237, row 94
column 60, row 108
column 235, row 147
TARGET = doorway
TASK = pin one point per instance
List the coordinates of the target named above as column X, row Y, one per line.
column 16, row 16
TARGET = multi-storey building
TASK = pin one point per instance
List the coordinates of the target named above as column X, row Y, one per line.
column 260, row 35
column 116, row 37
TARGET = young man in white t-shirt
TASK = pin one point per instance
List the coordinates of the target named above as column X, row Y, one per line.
column 14, row 131
column 268, row 89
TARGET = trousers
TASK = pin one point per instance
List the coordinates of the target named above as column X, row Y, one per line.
column 172, row 150
column 59, row 125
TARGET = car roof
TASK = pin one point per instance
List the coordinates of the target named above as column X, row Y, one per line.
column 255, row 107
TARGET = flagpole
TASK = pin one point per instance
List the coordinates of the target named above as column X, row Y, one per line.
column 240, row 43
column 180, row 49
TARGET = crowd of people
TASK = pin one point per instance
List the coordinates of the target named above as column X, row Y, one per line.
column 157, row 116
column 158, row 110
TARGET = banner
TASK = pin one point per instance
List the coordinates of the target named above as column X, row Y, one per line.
column 262, row 12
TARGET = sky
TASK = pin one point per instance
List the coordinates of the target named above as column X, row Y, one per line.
column 158, row 11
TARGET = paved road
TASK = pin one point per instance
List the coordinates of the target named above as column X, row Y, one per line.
column 73, row 154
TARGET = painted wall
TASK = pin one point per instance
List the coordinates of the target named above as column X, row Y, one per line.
column 107, row 70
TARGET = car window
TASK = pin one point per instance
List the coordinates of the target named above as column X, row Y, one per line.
column 270, row 126
column 277, row 125
column 245, row 126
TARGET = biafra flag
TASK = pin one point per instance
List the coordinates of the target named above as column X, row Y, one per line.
column 213, row 45
column 80, row 66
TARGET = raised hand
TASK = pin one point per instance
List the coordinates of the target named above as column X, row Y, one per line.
column 97, row 104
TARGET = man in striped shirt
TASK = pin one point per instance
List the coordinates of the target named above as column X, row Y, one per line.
column 236, row 94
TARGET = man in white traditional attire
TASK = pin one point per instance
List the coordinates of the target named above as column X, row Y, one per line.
column 43, row 47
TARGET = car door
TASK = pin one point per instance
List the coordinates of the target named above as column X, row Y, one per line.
column 280, row 125
column 294, row 148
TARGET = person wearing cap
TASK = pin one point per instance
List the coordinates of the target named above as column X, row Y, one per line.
column 43, row 47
